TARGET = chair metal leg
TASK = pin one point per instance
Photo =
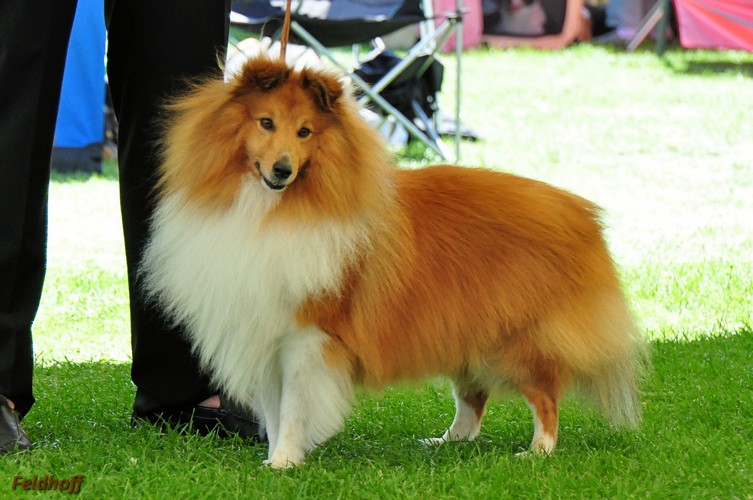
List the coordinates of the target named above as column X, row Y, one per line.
column 657, row 15
column 458, row 57
column 661, row 41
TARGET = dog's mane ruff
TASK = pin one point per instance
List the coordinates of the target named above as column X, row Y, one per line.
column 201, row 150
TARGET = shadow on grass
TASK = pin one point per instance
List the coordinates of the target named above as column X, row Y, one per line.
column 710, row 68
column 705, row 382
column 72, row 397
column 109, row 172
column 696, row 401
column 710, row 63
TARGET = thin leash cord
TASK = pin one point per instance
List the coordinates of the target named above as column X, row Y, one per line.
column 285, row 31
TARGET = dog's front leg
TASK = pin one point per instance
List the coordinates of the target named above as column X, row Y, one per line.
column 267, row 405
column 316, row 397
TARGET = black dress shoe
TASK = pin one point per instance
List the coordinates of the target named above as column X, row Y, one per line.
column 12, row 435
column 227, row 420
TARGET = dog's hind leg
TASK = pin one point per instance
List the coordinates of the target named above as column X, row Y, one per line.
column 470, row 401
column 543, row 400
column 316, row 397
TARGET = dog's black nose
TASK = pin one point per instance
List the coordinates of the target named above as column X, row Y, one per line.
column 281, row 170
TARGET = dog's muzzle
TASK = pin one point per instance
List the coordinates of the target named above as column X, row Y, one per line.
column 280, row 175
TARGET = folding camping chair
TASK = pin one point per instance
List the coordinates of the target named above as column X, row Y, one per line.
column 325, row 24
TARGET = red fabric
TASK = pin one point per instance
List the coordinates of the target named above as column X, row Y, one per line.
column 473, row 21
column 715, row 24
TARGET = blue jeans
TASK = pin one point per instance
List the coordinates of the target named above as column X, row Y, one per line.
column 625, row 15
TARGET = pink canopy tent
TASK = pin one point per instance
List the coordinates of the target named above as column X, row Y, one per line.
column 707, row 24
column 715, row 24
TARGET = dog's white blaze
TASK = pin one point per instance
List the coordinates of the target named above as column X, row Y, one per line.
column 236, row 285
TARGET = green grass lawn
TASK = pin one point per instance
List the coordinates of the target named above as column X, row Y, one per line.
column 664, row 145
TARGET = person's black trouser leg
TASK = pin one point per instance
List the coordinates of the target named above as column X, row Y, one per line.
column 33, row 43
column 154, row 46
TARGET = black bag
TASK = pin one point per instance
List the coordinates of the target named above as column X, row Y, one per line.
column 419, row 82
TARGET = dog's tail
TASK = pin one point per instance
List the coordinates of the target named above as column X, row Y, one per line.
column 615, row 388
column 614, row 383
column 606, row 354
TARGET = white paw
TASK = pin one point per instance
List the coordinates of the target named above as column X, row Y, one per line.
column 445, row 438
column 280, row 463
column 432, row 441
column 282, row 460
column 538, row 449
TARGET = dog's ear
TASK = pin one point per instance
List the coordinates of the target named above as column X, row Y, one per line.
column 262, row 74
column 325, row 88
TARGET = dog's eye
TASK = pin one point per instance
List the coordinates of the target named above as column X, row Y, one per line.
column 267, row 123
column 304, row 132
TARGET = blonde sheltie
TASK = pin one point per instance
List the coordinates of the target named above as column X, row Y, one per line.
column 302, row 262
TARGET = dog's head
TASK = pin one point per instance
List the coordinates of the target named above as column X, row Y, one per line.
column 287, row 110
column 292, row 133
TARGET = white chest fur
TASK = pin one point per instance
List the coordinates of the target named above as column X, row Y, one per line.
column 235, row 283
